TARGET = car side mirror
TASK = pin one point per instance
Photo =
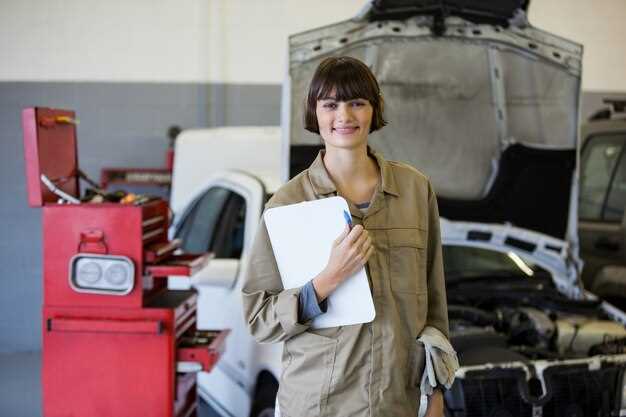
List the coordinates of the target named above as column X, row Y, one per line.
column 218, row 273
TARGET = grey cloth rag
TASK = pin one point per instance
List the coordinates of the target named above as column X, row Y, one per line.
column 441, row 360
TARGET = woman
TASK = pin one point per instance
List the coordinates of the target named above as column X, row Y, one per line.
column 371, row 369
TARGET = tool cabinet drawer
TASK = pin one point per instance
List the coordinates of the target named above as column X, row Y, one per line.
column 180, row 265
column 200, row 350
column 160, row 251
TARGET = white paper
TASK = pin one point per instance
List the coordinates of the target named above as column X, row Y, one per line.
column 302, row 236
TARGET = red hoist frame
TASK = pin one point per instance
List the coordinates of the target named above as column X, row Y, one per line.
column 116, row 341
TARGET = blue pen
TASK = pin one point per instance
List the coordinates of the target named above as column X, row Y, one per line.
column 348, row 218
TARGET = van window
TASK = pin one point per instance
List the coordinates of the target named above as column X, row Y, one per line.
column 229, row 234
column 198, row 226
column 599, row 160
column 616, row 201
column 215, row 223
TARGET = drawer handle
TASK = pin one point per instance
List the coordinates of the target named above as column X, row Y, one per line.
column 88, row 325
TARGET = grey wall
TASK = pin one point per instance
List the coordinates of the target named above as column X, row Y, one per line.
column 121, row 124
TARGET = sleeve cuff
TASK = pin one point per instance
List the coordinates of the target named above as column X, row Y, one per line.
column 308, row 307
column 287, row 312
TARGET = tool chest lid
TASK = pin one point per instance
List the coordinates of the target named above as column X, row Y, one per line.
column 50, row 150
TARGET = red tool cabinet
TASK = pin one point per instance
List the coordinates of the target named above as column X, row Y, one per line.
column 116, row 340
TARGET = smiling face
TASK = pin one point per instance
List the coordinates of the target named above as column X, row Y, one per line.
column 344, row 103
column 344, row 124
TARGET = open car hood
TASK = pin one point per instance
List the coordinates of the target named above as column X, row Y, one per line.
column 552, row 254
column 488, row 109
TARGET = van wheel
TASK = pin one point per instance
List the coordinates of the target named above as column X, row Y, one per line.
column 265, row 397
column 268, row 412
column 263, row 407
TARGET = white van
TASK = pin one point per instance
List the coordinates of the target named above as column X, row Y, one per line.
column 221, row 181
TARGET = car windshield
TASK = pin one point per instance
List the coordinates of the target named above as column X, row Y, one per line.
column 464, row 262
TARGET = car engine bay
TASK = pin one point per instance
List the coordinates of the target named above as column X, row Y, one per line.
column 506, row 318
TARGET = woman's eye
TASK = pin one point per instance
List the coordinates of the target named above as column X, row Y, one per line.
column 330, row 105
column 358, row 104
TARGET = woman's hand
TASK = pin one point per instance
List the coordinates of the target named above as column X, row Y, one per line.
column 350, row 252
column 435, row 404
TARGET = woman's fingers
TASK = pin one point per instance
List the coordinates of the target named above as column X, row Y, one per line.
column 354, row 234
column 361, row 257
column 367, row 243
column 364, row 255
column 359, row 261
column 358, row 244
column 342, row 236
column 351, row 251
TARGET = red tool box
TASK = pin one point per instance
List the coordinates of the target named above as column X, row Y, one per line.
column 116, row 340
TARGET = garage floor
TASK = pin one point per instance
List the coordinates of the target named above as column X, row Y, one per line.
column 20, row 388
column 20, row 393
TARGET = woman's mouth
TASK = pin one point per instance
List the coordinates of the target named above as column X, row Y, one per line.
column 346, row 130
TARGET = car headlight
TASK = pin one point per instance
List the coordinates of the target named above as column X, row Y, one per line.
column 102, row 274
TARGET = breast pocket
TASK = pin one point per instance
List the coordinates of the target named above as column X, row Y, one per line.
column 407, row 260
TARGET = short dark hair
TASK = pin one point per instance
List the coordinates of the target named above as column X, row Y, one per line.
column 351, row 79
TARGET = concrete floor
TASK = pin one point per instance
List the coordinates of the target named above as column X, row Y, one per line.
column 20, row 387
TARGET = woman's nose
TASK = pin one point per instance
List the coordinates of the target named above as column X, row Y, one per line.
column 344, row 112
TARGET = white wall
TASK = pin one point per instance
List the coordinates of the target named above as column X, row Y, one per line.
column 235, row 41
column 78, row 40
column 232, row 41
column 600, row 25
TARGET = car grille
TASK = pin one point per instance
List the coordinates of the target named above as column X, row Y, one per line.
column 573, row 391
column 489, row 393
column 576, row 391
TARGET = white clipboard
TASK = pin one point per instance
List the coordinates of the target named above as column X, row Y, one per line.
column 302, row 236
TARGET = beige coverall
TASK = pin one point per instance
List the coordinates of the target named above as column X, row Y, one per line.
column 370, row 369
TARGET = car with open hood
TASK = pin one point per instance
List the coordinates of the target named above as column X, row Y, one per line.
column 487, row 106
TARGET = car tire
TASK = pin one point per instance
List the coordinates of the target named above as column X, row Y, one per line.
column 265, row 399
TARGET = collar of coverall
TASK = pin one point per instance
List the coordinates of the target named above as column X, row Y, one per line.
column 323, row 184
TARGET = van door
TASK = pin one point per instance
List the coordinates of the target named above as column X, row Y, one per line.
column 222, row 218
column 602, row 222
